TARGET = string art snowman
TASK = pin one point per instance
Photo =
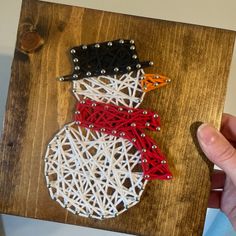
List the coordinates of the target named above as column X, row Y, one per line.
column 98, row 165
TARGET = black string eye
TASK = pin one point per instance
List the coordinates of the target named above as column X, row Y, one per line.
column 108, row 58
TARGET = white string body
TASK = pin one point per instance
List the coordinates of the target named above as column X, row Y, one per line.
column 90, row 173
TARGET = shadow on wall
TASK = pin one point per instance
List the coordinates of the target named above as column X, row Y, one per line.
column 2, row 232
column 5, row 72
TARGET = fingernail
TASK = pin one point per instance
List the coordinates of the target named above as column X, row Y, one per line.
column 207, row 134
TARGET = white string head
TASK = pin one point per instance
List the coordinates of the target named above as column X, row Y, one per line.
column 117, row 89
column 93, row 174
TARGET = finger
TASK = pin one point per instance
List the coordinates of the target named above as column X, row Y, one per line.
column 218, row 179
column 228, row 127
column 218, row 149
column 214, row 199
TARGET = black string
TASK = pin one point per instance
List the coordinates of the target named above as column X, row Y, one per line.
column 108, row 58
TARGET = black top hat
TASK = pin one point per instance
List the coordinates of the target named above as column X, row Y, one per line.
column 108, row 58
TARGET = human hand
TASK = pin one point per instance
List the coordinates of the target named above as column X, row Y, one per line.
column 219, row 147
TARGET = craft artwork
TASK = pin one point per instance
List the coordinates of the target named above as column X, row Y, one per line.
column 98, row 165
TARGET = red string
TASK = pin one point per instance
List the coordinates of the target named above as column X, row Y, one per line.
column 127, row 123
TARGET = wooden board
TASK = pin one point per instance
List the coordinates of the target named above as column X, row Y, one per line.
column 196, row 58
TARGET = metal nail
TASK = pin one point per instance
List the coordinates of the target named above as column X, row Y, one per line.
column 72, row 51
column 132, row 47
column 151, row 63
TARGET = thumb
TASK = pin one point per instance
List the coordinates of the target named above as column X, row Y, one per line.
column 217, row 149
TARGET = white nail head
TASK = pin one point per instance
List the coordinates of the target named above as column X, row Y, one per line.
column 132, row 47
column 73, row 51
column 103, row 71
column 151, row 63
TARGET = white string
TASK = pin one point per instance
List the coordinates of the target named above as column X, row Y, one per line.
column 93, row 174
column 117, row 89
column 90, row 173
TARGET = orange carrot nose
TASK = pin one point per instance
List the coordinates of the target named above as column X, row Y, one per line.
column 153, row 81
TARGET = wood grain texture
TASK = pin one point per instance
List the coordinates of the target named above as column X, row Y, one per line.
column 196, row 58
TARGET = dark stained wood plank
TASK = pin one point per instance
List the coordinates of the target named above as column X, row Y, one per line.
column 196, row 58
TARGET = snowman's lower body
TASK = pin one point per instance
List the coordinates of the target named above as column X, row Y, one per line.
column 93, row 174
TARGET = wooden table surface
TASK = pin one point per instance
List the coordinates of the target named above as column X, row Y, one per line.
column 196, row 58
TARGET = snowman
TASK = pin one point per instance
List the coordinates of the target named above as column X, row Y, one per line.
column 98, row 165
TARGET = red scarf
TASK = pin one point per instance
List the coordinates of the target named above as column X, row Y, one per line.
column 128, row 123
